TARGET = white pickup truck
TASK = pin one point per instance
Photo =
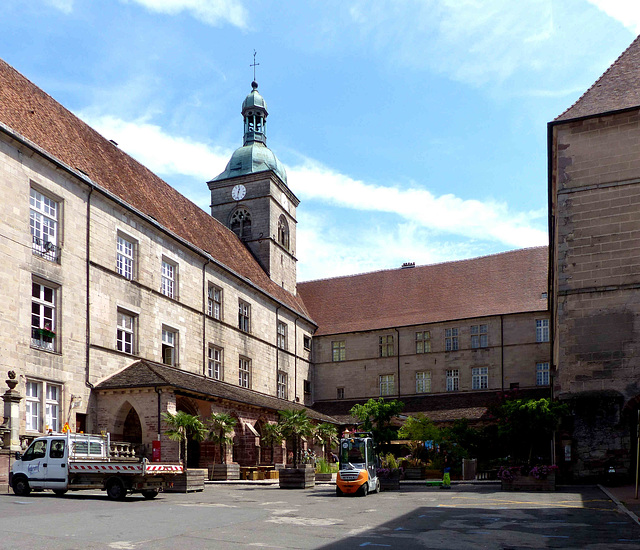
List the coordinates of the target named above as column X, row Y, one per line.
column 82, row 461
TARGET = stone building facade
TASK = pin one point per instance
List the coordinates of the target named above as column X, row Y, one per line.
column 594, row 197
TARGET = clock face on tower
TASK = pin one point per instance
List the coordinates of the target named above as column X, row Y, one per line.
column 284, row 201
column 238, row 192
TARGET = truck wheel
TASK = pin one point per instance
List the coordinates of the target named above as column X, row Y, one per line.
column 60, row 492
column 116, row 489
column 20, row 486
column 339, row 493
column 150, row 493
column 377, row 486
column 364, row 490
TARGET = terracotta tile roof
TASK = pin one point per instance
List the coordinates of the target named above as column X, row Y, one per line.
column 440, row 408
column 618, row 88
column 145, row 374
column 34, row 115
column 510, row 282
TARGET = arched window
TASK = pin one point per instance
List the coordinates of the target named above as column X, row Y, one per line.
column 283, row 232
column 241, row 223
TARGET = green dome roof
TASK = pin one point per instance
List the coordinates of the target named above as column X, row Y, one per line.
column 250, row 159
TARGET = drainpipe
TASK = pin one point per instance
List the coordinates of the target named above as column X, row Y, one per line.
column 502, row 352
column 277, row 348
column 88, row 309
column 398, row 333
column 295, row 359
column 159, row 392
column 204, row 316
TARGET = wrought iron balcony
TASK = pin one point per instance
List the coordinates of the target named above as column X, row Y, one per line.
column 46, row 249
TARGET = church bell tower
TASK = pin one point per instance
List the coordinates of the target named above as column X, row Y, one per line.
column 251, row 197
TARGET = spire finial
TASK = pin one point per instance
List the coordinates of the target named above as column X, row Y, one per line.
column 254, row 65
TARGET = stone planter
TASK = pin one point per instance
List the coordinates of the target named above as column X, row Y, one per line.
column 190, row 480
column 297, row 478
column 391, row 483
column 222, row 472
column 530, row 483
column 415, row 473
column 324, row 477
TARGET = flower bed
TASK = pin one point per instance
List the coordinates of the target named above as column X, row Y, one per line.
column 525, row 478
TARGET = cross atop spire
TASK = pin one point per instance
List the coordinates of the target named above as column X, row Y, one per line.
column 254, row 65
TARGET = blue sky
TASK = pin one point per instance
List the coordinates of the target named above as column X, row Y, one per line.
column 411, row 130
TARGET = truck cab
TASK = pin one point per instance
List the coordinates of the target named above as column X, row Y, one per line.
column 358, row 465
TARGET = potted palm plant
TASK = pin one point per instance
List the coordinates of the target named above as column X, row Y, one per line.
column 294, row 424
column 181, row 427
column 221, row 426
column 272, row 435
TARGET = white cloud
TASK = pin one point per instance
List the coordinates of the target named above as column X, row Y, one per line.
column 418, row 225
column 475, row 219
column 211, row 12
column 626, row 12
column 65, row 6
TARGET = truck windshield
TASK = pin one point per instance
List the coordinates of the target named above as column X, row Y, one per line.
column 352, row 451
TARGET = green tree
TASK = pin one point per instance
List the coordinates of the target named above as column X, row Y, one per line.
column 295, row 424
column 328, row 434
column 375, row 417
column 182, row 426
column 528, row 424
column 220, row 427
column 272, row 435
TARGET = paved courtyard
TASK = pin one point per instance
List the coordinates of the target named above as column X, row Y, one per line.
column 242, row 516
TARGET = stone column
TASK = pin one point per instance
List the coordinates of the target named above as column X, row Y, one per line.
column 11, row 424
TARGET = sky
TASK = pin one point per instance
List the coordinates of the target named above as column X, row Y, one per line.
column 411, row 130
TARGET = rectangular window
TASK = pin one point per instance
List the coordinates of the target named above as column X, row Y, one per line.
column 453, row 380
column 244, row 316
column 169, row 347
column 340, row 393
column 386, row 346
column 169, row 278
column 43, row 316
column 542, row 330
column 387, row 384
column 244, row 373
column 43, row 397
column 423, row 382
column 307, row 343
column 215, row 302
column 451, row 339
column 282, row 335
column 125, row 340
column 125, row 257
column 542, row 374
column 282, row 385
column 214, row 367
column 423, row 342
column 480, row 378
column 43, row 220
column 338, row 350
column 307, row 386
column 479, row 336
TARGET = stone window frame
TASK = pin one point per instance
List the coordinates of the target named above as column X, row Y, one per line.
column 423, row 381
column 282, row 335
column 340, row 393
column 387, row 384
column 423, row 341
column 215, row 362
column 44, row 408
column 45, row 223
column 283, row 385
column 543, row 373
column 240, row 222
column 338, row 350
column 306, row 342
column 169, row 278
column 479, row 336
column 170, row 345
column 283, row 232
column 453, row 379
column 480, row 378
column 385, row 346
column 214, row 301
column 126, row 333
column 244, row 316
column 542, row 330
column 45, row 297
column 451, row 341
column 126, row 256
column 244, row 372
